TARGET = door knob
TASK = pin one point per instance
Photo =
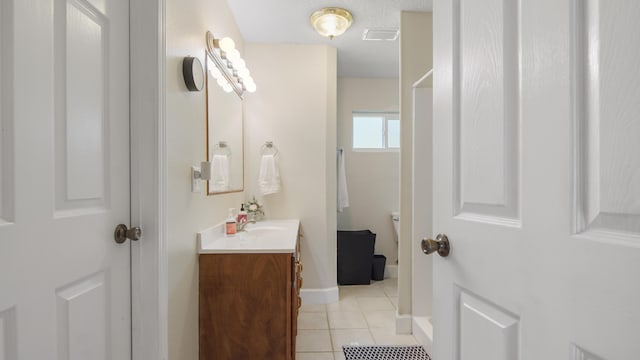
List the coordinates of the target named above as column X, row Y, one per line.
column 440, row 244
column 122, row 233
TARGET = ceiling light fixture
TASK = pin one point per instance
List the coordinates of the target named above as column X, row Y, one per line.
column 331, row 21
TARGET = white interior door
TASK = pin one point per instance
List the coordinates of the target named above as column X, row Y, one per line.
column 64, row 166
column 537, row 179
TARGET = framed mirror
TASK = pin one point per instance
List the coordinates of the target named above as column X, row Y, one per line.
column 225, row 130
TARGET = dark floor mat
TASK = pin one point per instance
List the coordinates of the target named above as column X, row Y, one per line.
column 385, row 353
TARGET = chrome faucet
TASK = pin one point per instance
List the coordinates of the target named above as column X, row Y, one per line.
column 240, row 226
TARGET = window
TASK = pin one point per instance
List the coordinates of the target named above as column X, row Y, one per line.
column 376, row 131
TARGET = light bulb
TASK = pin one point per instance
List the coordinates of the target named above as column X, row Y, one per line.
column 227, row 87
column 239, row 64
column 233, row 55
column 329, row 26
column 243, row 73
column 250, row 86
column 226, row 44
column 222, row 81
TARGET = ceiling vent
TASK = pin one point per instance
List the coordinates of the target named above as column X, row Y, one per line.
column 388, row 34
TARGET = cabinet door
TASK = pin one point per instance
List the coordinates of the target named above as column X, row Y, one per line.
column 245, row 306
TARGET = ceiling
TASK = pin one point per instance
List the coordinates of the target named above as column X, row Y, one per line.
column 287, row 21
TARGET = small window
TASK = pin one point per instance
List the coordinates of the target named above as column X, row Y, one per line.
column 376, row 131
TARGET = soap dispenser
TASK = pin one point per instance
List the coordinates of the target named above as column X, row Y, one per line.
column 242, row 215
column 231, row 226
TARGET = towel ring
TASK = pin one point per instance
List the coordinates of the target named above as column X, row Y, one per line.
column 221, row 148
column 269, row 149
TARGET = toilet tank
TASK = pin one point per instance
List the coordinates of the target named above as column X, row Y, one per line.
column 395, row 217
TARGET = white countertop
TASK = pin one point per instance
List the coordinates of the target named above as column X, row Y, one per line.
column 267, row 236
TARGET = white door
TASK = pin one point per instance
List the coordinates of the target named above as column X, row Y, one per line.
column 537, row 179
column 64, row 166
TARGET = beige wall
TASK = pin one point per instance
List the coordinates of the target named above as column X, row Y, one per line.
column 416, row 58
column 372, row 177
column 188, row 213
column 295, row 107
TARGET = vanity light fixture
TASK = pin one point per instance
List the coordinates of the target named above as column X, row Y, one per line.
column 331, row 21
column 231, row 71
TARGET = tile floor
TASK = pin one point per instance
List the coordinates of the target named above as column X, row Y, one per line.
column 364, row 315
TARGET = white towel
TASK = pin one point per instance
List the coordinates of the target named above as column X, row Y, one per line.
column 343, row 194
column 269, row 177
column 219, row 173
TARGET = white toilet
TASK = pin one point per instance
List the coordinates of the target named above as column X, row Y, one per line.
column 395, row 217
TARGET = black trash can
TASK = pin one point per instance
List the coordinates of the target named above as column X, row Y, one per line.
column 377, row 272
column 355, row 257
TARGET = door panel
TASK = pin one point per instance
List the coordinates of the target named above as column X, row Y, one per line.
column 82, row 313
column 8, row 334
column 65, row 167
column 82, row 139
column 499, row 328
column 6, row 112
column 555, row 257
column 486, row 119
column 608, row 154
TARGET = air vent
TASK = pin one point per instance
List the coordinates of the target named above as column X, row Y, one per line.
column 388, row 34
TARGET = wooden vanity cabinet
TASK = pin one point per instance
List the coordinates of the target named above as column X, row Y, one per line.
column 248, row 305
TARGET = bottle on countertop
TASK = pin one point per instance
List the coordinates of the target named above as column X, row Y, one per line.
column 242, row 215
column 231, row 226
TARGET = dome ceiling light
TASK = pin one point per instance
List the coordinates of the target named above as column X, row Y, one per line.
column 331, row 21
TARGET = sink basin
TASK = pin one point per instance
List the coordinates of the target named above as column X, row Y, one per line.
column 264, row 236
column 261, row 231
column 263, row 228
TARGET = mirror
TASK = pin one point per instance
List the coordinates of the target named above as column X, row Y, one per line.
column 225, row 132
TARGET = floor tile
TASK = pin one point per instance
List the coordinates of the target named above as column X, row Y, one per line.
column 362, row 290
column 313, row 341
column 312, row 321
column 312, row 308
column 375, row 304
column 315, row 356
column 387, row 336
column 381, row 319
column 339, row 355
column 391, row 282
column 347, row 320
column 341, row 337
column 346, row 304
column 390, row 291
column 394, row 301
column 365, row 315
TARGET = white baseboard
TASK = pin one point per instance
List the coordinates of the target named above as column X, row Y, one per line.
column 423, row 332
column 403, row 324
column 391, row 271
column 319, row 296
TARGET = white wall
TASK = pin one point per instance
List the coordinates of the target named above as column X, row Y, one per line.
column 295, row 107
column 372, row 177
column 422, row 265
column 187, row 22
column 416, row 58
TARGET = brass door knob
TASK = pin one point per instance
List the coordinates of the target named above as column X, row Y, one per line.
column 122, row 233
column 440, row 244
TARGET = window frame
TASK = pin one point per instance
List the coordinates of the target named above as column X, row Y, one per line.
column 387, row 116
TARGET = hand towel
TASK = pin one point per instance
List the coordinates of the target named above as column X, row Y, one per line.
column 219, row 173
column 343, row 194
column 269, row 177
